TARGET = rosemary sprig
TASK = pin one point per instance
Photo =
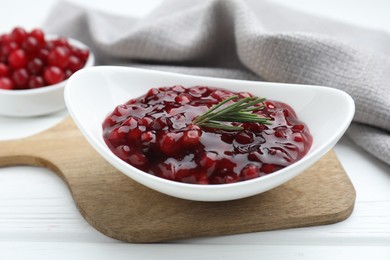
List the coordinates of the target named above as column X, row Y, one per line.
column 241, row 111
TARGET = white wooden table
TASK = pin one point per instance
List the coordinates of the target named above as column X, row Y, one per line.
column 38, row 219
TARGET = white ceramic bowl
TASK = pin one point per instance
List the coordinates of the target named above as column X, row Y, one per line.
column 91, row 94
column 40, row 101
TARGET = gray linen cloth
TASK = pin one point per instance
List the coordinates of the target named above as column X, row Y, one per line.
column 253, row 39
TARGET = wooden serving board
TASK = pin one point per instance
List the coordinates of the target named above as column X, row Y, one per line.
column 123, row 209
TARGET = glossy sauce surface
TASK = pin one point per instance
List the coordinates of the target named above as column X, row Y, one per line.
column 155, row 133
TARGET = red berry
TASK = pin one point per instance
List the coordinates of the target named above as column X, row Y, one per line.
column 148, row 137
column 61, row 41
column 150, row 94
column 123, row 152
column 159, row 123
column 30, row 44
column 250, row 171
column 168, row 143
column 137, row 159
column 53, row 75
column 8, row 48
column 36, row 82
column 131, row 123
column 43, row 54
column 145, row 121
column 5, row 39
column 68, row 73
column 48, row 62
column 298, row 128
column 6, row 83
column 35, row 66
column 59, row 57
column 18, row 35
column 81, row 53
column 17, row 59
column 39, row 36
column 3, row 70
column 183, row 98
column 281, row 133
column 190, row 138
column 226, row 165
column 134, row 135
column 20, row 78
column 267, row 168
column 298, row 138
column 75, row 63
column 244, row 137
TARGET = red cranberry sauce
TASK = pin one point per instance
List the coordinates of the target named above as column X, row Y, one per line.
column 155, row 133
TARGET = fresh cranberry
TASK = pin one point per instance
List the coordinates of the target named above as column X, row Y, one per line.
column 5, row 39
column 164, row 141
column 3, row 70
column 59, row 57
column 39, row 36
column 35, row 66
column 18, row 35
column 8, row 48
column 36, row 82
column 75, row 63
column 17, row 59
column 30, row 44
column 6, row 83
column 60, row 42
column 52, row 61
column 68, row 73
column 43, row 55
column 81, row 53
column 53, row 75
column 20, row 77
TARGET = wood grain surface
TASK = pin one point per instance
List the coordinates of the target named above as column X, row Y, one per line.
column 123, row 209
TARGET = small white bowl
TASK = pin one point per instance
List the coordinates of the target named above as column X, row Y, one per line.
column 91, row 94
column 40, row 101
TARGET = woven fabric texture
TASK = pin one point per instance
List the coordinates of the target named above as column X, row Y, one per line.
column 254, row 40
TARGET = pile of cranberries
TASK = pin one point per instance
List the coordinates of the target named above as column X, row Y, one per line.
column 156, row 134
column 28, row 60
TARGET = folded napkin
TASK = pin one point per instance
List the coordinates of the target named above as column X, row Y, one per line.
column 255, row 40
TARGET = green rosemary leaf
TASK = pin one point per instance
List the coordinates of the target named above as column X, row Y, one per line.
column 200, row 118
column 240, row 111
column 222, row 126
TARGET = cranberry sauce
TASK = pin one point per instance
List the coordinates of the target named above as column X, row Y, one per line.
column 155, row 133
